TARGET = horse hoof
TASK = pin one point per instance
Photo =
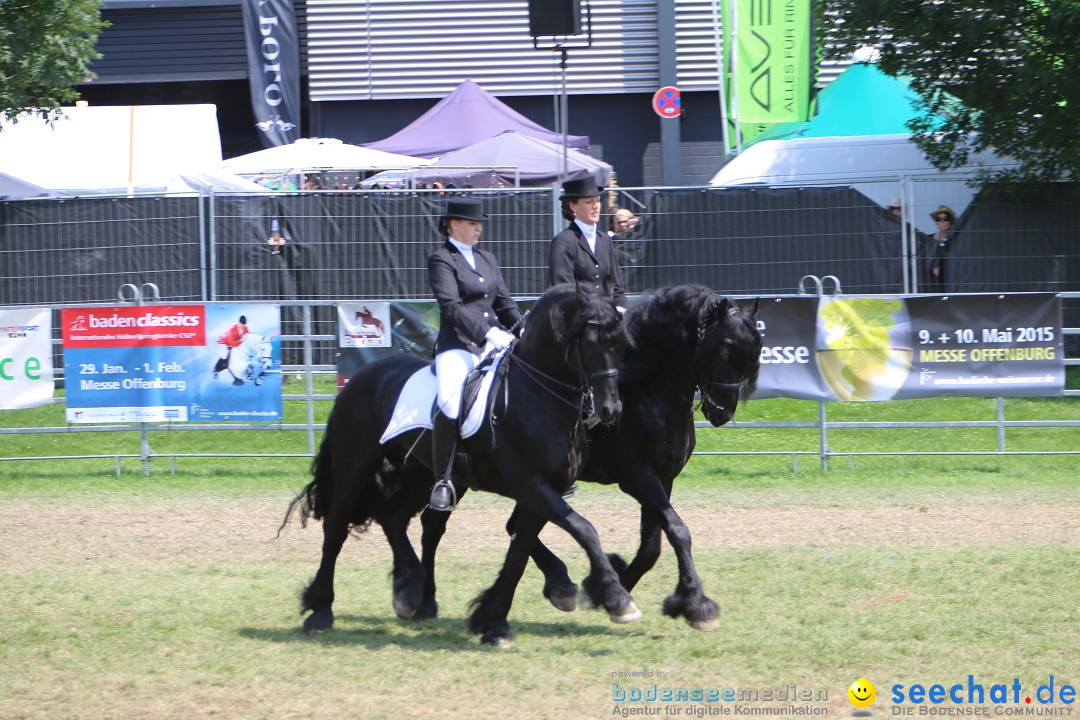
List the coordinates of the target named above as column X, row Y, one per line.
column 706, row 625
column 566, row 603
column 628, row 614
column 498, row 640
column 402, row 609
column 584, row 601
column 318, row 621
column 426, row 612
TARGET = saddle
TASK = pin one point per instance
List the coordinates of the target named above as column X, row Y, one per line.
column 416, row 404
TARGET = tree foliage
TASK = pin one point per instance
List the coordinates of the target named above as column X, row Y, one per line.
column 46, row 47
column 1003, row 74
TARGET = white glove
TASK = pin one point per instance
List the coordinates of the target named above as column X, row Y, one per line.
column 499, row 338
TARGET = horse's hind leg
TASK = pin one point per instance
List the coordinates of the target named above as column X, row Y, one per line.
column 411, row 489
column 434, row 524
column 491, row 608
column 689, row 599
column 559, row 589
column 349, row 487
column 319, row 594
column 647, row 554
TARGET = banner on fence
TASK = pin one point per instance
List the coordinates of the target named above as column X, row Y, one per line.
column 26, row 365
column 172, row 363
column 852, row 348
column 364, row 325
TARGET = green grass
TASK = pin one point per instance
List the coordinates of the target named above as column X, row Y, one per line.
column 168, row 597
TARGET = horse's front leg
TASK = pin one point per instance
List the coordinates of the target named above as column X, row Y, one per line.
column 559, row 589
column 689, row 599
column 602, row 586
column 491, row 608
column 434, row 526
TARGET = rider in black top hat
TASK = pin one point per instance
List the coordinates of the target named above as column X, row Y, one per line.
column 475, row 310
column 580, row 252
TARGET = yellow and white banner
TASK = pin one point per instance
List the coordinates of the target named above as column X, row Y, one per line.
column 26, row 365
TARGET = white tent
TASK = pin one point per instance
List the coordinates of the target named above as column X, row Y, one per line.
column 317, row 154
column 111, row 149
column 875, row 165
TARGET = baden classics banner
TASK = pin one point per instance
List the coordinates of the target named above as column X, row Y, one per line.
column 26, row 365
column 851, row 348
column 155, row 363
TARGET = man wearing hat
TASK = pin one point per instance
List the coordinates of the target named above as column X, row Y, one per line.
column 475, row 308
column 941, row 241
column 580, row 252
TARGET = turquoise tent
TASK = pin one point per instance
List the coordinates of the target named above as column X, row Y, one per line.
column 862, row 100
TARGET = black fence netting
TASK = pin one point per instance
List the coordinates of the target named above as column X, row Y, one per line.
column 374, row 245
column 83, row 249
column 763, row 240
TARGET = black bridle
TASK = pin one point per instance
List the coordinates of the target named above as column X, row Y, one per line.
column 703, row 385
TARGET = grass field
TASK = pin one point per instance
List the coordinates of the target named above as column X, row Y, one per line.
column 170, row 597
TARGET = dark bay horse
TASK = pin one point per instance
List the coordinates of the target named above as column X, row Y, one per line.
column 680, row 341
column 567, row 357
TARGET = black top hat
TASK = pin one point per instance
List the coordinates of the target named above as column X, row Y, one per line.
column 582, row 187
column 464, row 209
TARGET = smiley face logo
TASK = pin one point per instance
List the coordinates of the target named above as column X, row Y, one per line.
column 862, row 693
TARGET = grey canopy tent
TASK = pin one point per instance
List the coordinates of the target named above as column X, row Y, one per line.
column 510, row 159
column 466, row 116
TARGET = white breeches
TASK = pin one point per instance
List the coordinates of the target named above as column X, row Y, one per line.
column 451, row 367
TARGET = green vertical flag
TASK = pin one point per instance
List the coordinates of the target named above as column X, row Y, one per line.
column 772, row 59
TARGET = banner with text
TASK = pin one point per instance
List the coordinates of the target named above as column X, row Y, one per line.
column 771, row 68
column 273, row 52
column 156, row 363
column 26, row 361
column 852, row 348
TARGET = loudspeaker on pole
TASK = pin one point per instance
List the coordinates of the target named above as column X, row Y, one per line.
column 554, row 17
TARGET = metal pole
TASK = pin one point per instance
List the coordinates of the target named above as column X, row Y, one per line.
column 733, row 53
column 208, row 199
column 564, row 119
column 308, row 383
column 1001, row 424
column 721, row 66
column 822, row 421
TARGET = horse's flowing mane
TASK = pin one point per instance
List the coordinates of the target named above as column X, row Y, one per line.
column 666, row 327
column 597, row 310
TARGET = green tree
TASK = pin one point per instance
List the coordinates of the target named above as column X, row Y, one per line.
column 1002, row 73
column 46, row 47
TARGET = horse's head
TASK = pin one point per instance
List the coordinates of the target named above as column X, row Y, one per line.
column 589, row 328
column 729, row 354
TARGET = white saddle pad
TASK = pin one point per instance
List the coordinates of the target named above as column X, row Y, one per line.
column 416, row 404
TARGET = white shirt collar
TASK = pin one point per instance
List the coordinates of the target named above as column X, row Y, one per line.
column 589, row 231
column 465, row 250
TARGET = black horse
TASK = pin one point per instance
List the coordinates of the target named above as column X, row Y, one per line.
column 567, row 358
column 681, row 341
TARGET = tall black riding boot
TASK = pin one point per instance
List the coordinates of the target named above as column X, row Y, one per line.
column 443, row 446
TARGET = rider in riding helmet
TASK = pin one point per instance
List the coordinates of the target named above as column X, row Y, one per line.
column 475, row 310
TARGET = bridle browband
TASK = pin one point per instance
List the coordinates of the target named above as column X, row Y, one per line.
column 703, row 385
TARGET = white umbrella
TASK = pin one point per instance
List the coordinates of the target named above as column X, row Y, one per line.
column 317, row 154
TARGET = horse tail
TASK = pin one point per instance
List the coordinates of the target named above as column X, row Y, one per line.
column 314, row 500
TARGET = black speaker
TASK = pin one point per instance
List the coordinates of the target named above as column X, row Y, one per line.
column 554, row 17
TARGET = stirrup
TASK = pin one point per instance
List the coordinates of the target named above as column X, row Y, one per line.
column 443, row 495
